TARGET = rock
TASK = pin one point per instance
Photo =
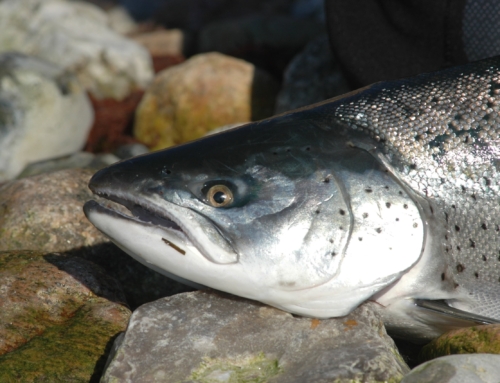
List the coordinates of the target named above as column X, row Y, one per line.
column 58, row 316
column 166, row 47
column 267, row 42
column 78, row 160
column 469, row 340
column 76, row 36
column 205, row 92
column 44, row 112
column 112, row 119
column 132, row 150
column 479, row 368
column 212, row 337
column 44, row 213
column 120, row 21
column 312, row 76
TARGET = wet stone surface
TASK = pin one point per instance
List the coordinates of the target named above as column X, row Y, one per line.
column 212, row 337
column 59, row 315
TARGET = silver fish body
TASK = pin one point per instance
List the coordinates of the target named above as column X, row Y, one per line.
column 389, row 194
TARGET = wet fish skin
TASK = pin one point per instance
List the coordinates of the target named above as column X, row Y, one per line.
column 422, row 152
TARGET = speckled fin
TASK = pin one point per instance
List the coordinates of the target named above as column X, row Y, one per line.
column 442, row 308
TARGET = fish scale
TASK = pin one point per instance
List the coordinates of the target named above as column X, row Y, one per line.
column 435, row 145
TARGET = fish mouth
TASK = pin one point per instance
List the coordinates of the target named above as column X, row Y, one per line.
column 128, row 207
column 182, row 226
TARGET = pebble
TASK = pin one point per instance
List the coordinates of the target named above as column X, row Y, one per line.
column 76, row 35
column 203, row 93
column 44, row 111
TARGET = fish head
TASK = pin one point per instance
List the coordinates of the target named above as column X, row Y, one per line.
column 270, row 211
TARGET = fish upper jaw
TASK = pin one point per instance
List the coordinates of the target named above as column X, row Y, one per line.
column 191, row 228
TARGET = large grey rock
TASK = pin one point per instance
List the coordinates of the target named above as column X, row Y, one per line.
column 209, row 337
column 77, row 36
column 44, row 112
column 473, row 368
column 312, row 76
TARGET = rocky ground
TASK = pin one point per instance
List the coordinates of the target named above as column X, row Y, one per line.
column 75, row 308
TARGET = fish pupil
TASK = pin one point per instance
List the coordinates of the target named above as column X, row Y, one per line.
column 220, row 197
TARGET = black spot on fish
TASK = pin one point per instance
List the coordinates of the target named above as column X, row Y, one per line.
column 497, row 228
column 388, row 204
column 342, row 212
column 400, row 192
column 405, row 206
column 333, row 253
column 386, row 187
column 415, row 225
column 457, row 228
column 487, row 117
column 489, row 104
column 308, row 148
column 360, row 238
column 413, row 166
column 317, row 211
column 397, row 219
column 473, row 197
column 476, row 274
column 457, row 117
column 331, row 240
column 453, row 207
column 447, row 249
column 472, row 243
column 443, row 276
column 487, row 181
column 378, row 230
column 432, row 210
column 463, row 188
column 446, row 236
column 460, row 268
column 435, row 99
column 326, row 180
column 167, row 171
column 456, row 285
column 458, row 248
column 484, row 227
column 275, row 153
column 368, row 190
column 365, row 215
column 446, row 217
column 484, row 258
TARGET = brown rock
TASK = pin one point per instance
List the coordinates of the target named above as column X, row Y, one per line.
column 471, row 340
column 111, row 121
column 44, row 213
column 165, row 46
column 58, row 315
column 207, row 91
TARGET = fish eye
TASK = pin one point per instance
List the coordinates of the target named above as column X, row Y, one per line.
column 220, row 196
